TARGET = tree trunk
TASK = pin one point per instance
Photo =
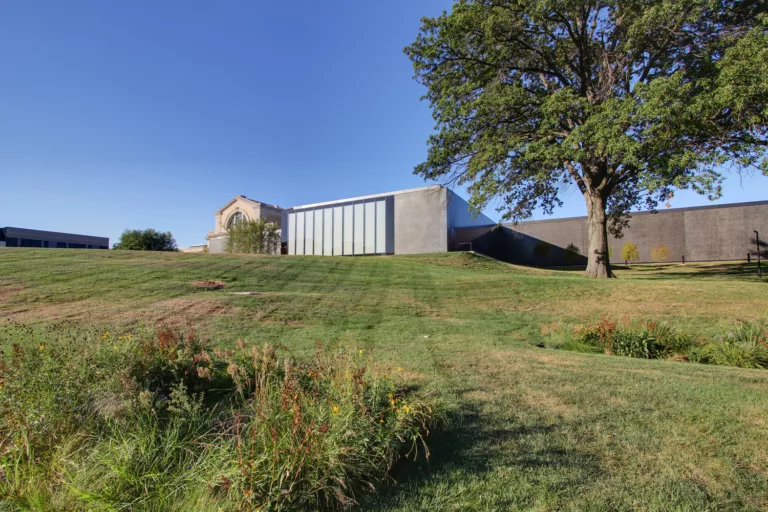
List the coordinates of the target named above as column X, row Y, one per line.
column 598, row 263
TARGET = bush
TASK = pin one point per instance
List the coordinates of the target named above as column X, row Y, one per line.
column 629, row 252
column 571, row 252
column 639, row 343
column 253, row 237
column 145, row 240
column 158, row 421
column 661, row 253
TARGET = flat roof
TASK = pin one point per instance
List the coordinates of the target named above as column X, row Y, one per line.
column 15, row 232
column 362, row 198
column 651, row 212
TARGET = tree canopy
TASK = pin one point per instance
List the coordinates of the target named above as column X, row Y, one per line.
column 145, row 240
column 627, row 100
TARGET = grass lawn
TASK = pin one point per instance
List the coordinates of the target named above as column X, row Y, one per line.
column 542, row 429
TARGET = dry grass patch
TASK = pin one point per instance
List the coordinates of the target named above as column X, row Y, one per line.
column 208, row 284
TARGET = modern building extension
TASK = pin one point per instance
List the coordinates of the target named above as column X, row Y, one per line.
column 22, row 237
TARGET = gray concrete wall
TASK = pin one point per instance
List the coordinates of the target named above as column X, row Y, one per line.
column 708, row 233
column 421, row 221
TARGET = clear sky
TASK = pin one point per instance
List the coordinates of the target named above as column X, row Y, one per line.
column 140, row 113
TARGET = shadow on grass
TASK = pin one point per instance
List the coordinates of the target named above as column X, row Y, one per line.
column 743, row 270
column 476, row 448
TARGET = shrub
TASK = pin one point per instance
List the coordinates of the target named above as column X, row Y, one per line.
column 571, row 252
column 599, row 334
column 253, row 237
column 160, row 421
column 743, row 346
column 660, row 253
column 542, row 250
column 629, row 252
column 640, row 343
column 145, row 240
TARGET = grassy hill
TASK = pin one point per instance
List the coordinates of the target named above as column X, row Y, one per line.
column 542, row 429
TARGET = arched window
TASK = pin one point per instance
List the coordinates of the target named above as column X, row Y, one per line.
column 236, row 219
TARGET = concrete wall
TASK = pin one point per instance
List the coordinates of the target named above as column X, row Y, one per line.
column 708, row 233
column 421, row 221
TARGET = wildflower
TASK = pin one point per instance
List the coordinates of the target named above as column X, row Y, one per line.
column 381, row 420
column 41, row 347
column 406, row 408
column 392, row 403
column 361, row 351
column 335, row 410
column 399, row 368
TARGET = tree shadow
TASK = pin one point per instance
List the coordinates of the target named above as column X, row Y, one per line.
column 739, row 270
column 472, row 446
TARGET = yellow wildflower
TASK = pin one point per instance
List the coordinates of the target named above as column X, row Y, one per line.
column 335, row 410
column 399, row 368
column 406, row 408
column 361, row 351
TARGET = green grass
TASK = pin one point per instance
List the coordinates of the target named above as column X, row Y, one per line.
column 542, row 429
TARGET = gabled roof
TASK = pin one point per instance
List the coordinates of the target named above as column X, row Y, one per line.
column 243, row 198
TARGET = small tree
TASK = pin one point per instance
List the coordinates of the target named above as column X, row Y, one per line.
column 146, row 240
column 571, row 252
column 253, row 237
column 630, row 253
column 660, row 253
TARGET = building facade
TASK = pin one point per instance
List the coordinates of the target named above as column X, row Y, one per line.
column 239, row 209
column 413, row 221
column 22, row 237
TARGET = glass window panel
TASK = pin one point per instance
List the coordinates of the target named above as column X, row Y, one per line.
column 292, row 233
column 318, row 232
column 328, row 232
column 349, row 222
column 359, row 229
column 338, row 233
column 370, row 228
column 300, row 236
column 309, row 229
column 381, row 227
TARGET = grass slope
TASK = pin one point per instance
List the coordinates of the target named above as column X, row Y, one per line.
column 543, row 429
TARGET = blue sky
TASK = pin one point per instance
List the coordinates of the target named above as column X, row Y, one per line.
column 141, row 114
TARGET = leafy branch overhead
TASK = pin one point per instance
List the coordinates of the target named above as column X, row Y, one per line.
column 627, row 100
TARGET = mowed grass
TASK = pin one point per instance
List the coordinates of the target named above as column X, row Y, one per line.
column 542, row 429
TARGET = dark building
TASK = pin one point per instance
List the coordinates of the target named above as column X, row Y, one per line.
column 20, row 237
column 702, row 233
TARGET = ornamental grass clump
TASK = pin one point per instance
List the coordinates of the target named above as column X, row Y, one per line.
column 745, row 345
column 100, row 420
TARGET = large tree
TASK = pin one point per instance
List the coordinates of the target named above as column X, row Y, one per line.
column 627, row 99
